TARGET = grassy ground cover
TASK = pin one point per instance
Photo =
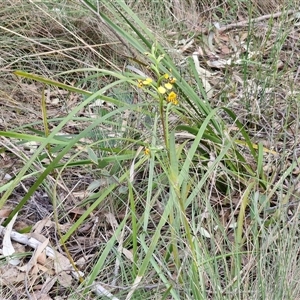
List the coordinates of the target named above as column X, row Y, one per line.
column 149, row 149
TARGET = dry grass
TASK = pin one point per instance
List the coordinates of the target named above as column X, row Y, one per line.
column 262, row 89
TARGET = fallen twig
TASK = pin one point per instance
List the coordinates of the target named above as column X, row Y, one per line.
column 255, row 20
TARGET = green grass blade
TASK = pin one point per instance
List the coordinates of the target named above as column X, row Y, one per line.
column 33, row 138
column 52, row 82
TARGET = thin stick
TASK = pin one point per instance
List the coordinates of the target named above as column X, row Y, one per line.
column 255, row 20
column 33, row 243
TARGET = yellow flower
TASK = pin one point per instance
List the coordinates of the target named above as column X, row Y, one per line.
column 140, row 83
column 172, row 80
column 161, row 90
column 172, row 97
column 168, row 86
column 147, row 81
column 147, row 151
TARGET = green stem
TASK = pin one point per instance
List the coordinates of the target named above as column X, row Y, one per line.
column 162, row 116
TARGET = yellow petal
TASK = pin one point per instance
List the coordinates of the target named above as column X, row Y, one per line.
column 140, row 83
column 147, row 81
column 172, row 97
column 147, row 151
column 161, row 90
column 168, row 86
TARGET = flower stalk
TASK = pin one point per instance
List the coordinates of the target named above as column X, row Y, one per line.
column 163, row 87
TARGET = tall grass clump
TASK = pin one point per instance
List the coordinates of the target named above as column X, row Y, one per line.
column 191, row 206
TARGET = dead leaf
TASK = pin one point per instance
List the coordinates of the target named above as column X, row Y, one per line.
column 186, row 46
column 11, row 276
column 31, row 146
column 39, row 237
column 200, row 51
column 82, row 261
column 19, row 248
column 47, row 270
column 210, row 39
column 7, row 247
column 85, row 228
column 34, row 259
column 41, row 259
column 61, row 265
column 64, row 279
column 40, row 296
column 243, row 36
column 47, row 285
column 128, row 254
column 225, row 49
column 219, row 63
column 39, row 226
column 5, row 212
column 80, row 195
column 77, row 211
column 111, row 219
column 223, row 37
column 204, row 232
column 203, row 75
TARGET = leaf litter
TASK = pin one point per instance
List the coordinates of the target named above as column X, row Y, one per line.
column 224, row 48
